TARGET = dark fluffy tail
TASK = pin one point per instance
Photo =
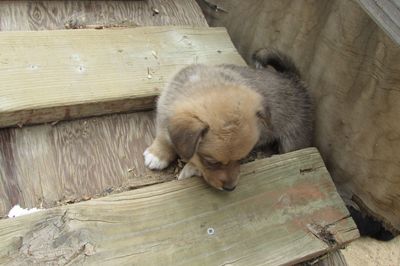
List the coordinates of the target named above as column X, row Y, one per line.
column 267, row 57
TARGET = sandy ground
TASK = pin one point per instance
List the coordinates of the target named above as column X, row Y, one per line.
column 367, row 251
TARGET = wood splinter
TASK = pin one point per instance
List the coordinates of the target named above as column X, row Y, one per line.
column 323, row 233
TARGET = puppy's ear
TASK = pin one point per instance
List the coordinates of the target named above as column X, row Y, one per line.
column 185, row 131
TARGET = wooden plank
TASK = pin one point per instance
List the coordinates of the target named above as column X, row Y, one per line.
column 49, row 165
column 55, row 75
column 53, row 15
column 386, row 13
column 265, row 221
column 103, row 147
column 352, row 69
column 334, row 258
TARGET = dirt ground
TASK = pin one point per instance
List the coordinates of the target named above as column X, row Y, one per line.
column 367, row 251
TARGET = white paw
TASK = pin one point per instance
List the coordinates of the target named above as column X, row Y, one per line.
column 153, row 162
column 189, row 170
column 258, row 65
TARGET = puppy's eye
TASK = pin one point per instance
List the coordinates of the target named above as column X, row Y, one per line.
column 213, row 165
column 211, row 162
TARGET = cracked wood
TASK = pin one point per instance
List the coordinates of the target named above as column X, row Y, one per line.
column 264, row 221
column 48, row 165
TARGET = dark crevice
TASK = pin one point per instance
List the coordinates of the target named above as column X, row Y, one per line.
column 368, row 226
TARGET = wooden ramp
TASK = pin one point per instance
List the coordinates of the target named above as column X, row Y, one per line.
column 285, row 210
column 54, row 75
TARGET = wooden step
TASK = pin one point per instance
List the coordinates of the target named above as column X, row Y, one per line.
column 285, row 210
column 48, row 76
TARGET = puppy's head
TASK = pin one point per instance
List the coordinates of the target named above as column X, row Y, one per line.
column 215, row 130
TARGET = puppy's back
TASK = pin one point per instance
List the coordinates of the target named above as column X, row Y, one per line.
column 285, row 97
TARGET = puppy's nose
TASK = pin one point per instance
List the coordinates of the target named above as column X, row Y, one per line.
column 229, row 189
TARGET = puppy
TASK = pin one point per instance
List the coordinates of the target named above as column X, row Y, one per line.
column 213, row 116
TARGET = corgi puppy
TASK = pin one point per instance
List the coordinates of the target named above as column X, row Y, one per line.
column 214, row 116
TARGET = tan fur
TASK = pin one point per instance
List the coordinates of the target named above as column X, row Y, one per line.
column 232, row 131
column 212, row 117
column 229, row 116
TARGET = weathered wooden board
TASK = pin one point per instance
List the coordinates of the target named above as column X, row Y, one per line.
column 46, row 165
column 55, row 75
column 53, row 15
column 386, row 13
column 266, row 220
column 93, row 155
column 353, row 71
column 334, row 258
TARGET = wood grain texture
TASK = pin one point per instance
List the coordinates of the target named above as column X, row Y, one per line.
column 352, row 68
column 56, row 75
column 334, row 258
column 45, row 165
column 265, row 221
column 386, row 13
column 48, row 165
column 52, row 15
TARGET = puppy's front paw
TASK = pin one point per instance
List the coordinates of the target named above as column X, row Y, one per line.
column 189, row 170
column 153, row 162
